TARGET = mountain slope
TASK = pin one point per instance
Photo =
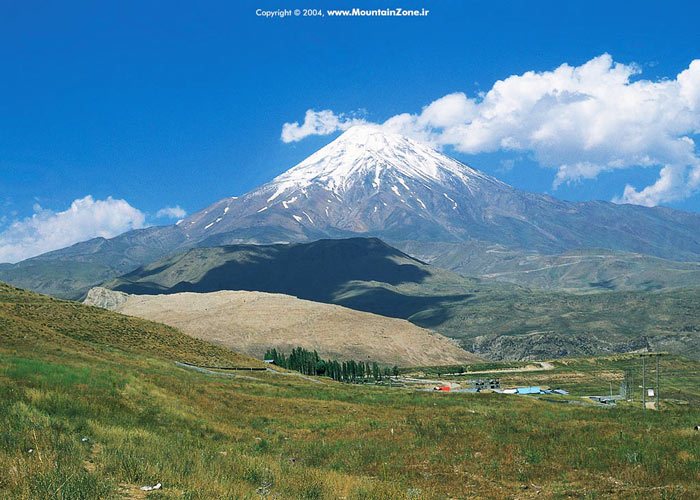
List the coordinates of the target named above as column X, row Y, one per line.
column 314, row 271
column 252, row 322
column 70, row 272
column 370, row 183
column 27, row 319
column 495, row 320
column 86, row 419
column 583, row 270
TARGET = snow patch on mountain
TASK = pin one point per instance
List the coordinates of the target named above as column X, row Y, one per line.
column 366, row 154
column 391, row 180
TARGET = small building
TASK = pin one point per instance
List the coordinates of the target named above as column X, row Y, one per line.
column 486, row 383
column 529, row 390
column 606, row 399
column 269, row 361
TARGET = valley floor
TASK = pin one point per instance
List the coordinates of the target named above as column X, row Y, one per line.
column 88, row 422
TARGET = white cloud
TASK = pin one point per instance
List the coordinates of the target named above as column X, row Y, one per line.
column 175, row 212
column 580, row 120
column 318, row 123
column 47, row 230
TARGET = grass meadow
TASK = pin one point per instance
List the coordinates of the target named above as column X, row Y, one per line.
column 83, row 417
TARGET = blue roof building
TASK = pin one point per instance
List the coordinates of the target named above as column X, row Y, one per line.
column 529, row 390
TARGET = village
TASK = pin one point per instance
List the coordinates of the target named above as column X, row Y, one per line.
column 618, row 391
column 493, row 386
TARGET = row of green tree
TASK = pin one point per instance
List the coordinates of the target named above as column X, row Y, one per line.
column 310, row 363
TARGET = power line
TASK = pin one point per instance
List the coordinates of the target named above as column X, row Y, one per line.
column 644, row 385
column 657, row 381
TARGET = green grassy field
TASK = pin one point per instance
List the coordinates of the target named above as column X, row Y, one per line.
column 65, row 376
column 679, row 378
column 26, row 317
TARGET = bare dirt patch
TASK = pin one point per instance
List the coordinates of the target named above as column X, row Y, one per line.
column 252, row 322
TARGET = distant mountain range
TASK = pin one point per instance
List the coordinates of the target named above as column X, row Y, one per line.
column 312, row 233
column 370, row 183
column 582, row 270
column 70, row 272
column 492, row 319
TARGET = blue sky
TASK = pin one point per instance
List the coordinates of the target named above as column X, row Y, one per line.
column 170, row 104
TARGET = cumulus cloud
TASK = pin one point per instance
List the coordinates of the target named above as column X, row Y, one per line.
column 175, row 212
column 318, row 123
column 579, row 120
column 47, row 230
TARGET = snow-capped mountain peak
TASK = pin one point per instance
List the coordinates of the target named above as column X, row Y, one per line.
column 365, row 152
column 365, row 181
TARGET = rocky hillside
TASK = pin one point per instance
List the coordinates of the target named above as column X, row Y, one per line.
column 491, row 319
column 252, row 322
column 583, row 270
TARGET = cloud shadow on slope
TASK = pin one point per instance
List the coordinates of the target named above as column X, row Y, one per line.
column 317, row 271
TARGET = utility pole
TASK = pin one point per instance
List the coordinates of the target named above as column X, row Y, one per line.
column 629, row 386
column 657, row 382
column 644, row 384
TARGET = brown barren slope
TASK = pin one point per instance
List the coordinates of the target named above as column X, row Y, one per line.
column 252, row 322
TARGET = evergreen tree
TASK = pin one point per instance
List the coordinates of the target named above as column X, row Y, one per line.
column 310, row 363
column 337, row 372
